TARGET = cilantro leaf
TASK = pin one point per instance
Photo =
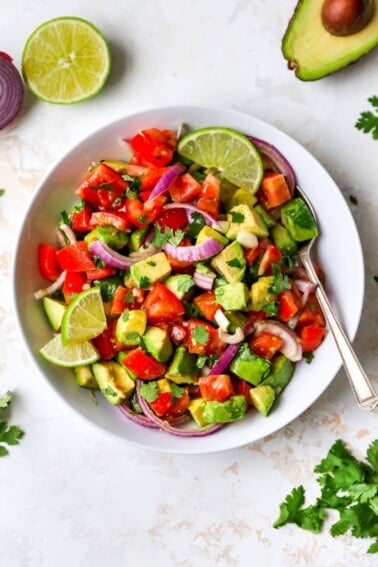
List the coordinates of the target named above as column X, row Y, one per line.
column 292, row 511
column 176, row 237
column 9, row 435
column 237, row 217
column 372, row 455
column 144, row 282
column 201, row 335
column 368, row 121
column 2, row 191
column 373, row 548
column 159, row 238
column 235, row 263
column 149, row 391
column 64, row 218
column 185, row 283
column 271, row 309
column 308, row 356
column 280, row 281
column 195, row 227
column 5, row 400
column 345, row 469
column 177, row 391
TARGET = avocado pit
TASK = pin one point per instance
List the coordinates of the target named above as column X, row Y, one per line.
column 346, row 17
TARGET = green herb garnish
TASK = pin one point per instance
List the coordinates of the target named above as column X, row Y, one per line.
column 144, row 282
column 237, row 217
column 353, row 200
column 368, row 121
column 280, row 281
column 200, row 335
column 9, row 434
column 195, row 226
column 149, row 391
column 2, row 191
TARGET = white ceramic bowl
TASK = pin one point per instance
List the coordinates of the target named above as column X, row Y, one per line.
column 341, row 263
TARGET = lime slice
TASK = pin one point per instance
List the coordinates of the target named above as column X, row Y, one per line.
column 66, row 60
column 85, row 317
column 71, row 355
column 227, row 150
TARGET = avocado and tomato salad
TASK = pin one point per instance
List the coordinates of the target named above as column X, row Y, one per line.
column 207, row 307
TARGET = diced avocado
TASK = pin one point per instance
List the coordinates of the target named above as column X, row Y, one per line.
column 85, row 377
column 297, row 218
column 230, row 262
column 183, row 368
column 207, row 232
column 233, row 296
column 114, row 381
column 225, row 412
column 266, row 217
column 203, row 269
column 281, row 372
column 260, row 294
column 157, row 343
column 243, row 217
column 137, row 238
column 282, row 239
column 196, row 410
column 313, row 52
column 179, row 284
column 240, row 197
column 54, row 310
column 236, row 319
column 120, row 358
column 262, row 398
column 113, row 237
column 131, row 326
column 163, row 385
column 119, row 165
column 249, row 366
column 153, row 269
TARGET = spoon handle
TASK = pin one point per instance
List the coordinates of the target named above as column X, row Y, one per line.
column 362, row 388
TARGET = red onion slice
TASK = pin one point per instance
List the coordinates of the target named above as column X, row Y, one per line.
column 167, row 427
column 137, row 418
column 291, row 348
column 229, row 354
column 11, row 90
column 204, row 281
column 41, row 293
column 191, row 209
column 111, row 257
column 194, row 253
column 305, row 287
column 69, row 233
column 275, row 160
column 166, row 181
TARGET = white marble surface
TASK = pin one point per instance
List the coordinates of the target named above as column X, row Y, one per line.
column 73, row 496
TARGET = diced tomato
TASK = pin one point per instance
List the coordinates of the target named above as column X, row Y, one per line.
column 141, row 214
column 162, row 305
column 118, row 219
column 311, row 313
column 289, row 305
column 100, row 273
column 47, row 262
column 202, row 338
column 274, row 190
column 185, row 189
column 153, row 146
column 104, row 344
column 80, row 220
column 143, row 365
column 217, row 387
column 311, row 336
column 251, row 254
column 149, row 176
column 242, row 388
column 179, row 406
column 162, row 404
column 265, row 345
column 73, row 284
column 210, row 206
column 272, row 255
column 153, row 207
column 209, row 200
column 172, row 218
column 102, row 186
column 207, row 304
column 75, row 257
column 120, row 301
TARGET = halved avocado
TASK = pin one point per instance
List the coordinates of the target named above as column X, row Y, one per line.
column 312, row 52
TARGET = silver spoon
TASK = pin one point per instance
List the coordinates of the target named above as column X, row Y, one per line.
column 362, row 387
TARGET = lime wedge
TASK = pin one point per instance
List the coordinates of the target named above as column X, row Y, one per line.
column 84, row 318
column 66, row 60
column 71, row 355
column 227, row 150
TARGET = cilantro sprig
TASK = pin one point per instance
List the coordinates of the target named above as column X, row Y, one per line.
column 347, row 485
column 168, row 235
column 368, row 120
column 9, row 434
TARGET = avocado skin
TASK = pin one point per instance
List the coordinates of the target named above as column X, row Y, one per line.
column 310, row 49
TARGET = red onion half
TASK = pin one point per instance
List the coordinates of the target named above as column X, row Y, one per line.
column 11, row 90
column 275, row 160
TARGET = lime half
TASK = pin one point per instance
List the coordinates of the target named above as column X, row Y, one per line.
column 66, row 60
column 227, row 150
column 70, row 355
column 84, row 318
